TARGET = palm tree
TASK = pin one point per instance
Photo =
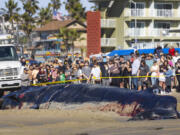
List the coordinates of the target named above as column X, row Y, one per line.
column 76, row 10
column 56, row 4
column 28, row 17
column 45, row 15
column 69, row 36
column 11, row 12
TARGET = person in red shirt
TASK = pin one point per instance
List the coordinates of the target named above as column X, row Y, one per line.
column 172, row 51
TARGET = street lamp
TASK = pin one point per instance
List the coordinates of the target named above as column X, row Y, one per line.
column 135, row 21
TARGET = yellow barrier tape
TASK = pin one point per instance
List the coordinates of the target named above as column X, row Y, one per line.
column 75, row 80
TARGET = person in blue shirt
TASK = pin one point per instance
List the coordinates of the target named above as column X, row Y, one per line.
column 158, row 50
column 149, row 60
column 168, row 73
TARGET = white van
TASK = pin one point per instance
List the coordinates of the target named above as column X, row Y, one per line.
column 10, row 68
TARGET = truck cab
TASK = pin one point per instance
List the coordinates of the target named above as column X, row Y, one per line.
column 10, row 67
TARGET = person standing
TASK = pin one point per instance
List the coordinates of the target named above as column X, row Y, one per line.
column 115, row 73
column 62, row 76
column 142, row 72
column 162, row 79
column 30, row 74
column 158, row 51
column 154, row 73
column 96, row 73
column 178, row 75
column 149, row 60
column 86, row 71
column 35, row 75
column 168, row 74
column 68, row 73
column 172, row 51
column 127, row 81
column 135, row 68
column 105, row 74
column 25, row 82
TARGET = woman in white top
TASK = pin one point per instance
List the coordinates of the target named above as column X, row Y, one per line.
column 96, row 74
column 162, row 79
column 155, row 73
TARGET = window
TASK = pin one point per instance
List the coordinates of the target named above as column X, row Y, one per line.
column 139, row 11
column 162, row 25
column 139, row 25
column 163, row 6
column 139, row 30
column 161, row 28
column 163, row 9
column 8, row 53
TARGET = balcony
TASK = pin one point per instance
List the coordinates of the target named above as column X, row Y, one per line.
column 144, row 45
column 159, row 32
column 152, row 13
column 163, row 13
column 132, row 32
column 108, row 23
column 108, row 42
column 135, row 12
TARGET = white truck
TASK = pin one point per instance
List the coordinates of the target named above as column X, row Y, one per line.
column 10, row 68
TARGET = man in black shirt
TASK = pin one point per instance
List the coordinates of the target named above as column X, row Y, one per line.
column 61, row 66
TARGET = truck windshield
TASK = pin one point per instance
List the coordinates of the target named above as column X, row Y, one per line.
column 8, row 53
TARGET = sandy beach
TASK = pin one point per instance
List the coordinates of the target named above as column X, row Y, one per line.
column 81, row 122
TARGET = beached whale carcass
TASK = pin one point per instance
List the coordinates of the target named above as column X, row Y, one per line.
column 139, row 105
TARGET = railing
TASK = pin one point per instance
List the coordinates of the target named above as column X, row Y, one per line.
column 158, row 32
column 144, row 45
column 132, row 32
column 135, row 12
column 162, row 33
column 108, row 23
column 135, row 32
column 152, row 12
column 163, row 13
column 108, row 41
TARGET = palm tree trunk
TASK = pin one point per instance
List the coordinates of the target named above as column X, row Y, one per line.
column 12, row 25
column 73, row 50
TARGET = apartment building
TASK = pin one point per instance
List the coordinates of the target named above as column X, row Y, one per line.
column 139, row 23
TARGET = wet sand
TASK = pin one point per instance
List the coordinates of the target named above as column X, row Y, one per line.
column 81, row 122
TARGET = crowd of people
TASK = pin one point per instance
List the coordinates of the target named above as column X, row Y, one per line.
column 134, row 72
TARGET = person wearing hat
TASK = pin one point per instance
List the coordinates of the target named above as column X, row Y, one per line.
column 149, row 60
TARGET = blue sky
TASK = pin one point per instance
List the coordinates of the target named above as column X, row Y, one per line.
column 43, row 3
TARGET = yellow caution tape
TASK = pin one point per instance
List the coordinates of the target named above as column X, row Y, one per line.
column 75, row 80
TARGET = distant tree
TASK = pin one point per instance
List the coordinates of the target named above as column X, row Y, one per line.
column 69, row 36
column 76, row 10
column 56, row 4
column 45, row 15
column 94, row 7
column 11, row 12
column 28, row 17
